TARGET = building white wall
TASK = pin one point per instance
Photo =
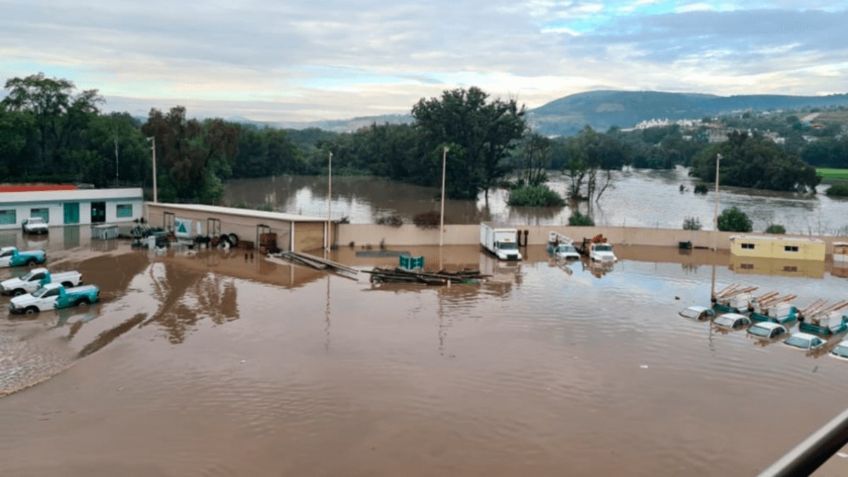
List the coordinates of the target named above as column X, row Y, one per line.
column 57, row 212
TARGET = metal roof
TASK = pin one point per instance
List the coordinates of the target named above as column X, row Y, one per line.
column 781, row 238
column 134, row 193
column 258, row 214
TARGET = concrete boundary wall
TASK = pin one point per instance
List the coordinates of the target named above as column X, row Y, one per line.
column 409, row 235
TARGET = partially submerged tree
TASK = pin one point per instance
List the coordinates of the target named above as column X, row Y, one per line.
column 478, row 132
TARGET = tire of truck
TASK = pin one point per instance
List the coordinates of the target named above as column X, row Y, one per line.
column 224, row 239
column 67, row 284
column 234, row 240
column 30, row 262
column 18, row 292
column 31, row 310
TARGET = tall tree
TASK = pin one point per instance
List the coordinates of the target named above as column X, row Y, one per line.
column 59, row 114
column 480, row 134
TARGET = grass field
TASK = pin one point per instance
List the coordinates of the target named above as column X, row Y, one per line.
column 832, row 175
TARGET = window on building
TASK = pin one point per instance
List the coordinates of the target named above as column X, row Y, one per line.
column 748, row 246
column 747, row 266
column 791, row 248
column 124, row 211
column 8, row 217
column 43, row 213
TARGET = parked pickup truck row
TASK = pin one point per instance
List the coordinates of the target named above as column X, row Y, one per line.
column 36, row 278
column 54, row 296
column 12, row 257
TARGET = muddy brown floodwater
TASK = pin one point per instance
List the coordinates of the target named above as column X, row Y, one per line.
column 223, row 364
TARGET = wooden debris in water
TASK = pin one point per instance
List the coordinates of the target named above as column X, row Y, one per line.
column 318, row 263
column 442, row 277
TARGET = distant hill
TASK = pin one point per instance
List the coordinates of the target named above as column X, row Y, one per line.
column 603, row 109
column 345, row 125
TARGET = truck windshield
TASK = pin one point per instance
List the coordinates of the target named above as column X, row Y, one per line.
column 507, row 245
column 40, row 292
column 28, row 276
column 603, row 248
column 566, row 248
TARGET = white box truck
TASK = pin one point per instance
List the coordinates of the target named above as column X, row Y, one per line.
column 500, row 241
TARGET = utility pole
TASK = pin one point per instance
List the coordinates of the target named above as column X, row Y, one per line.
column 442, row 215
column 116, row 162
column 330, row 202
column 152, row 140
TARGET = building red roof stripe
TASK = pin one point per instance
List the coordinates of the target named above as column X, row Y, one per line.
column 36, row 188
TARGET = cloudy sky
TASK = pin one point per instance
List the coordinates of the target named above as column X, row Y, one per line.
column 308, row 60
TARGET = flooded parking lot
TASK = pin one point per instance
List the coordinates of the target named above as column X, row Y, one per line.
column 225, row 364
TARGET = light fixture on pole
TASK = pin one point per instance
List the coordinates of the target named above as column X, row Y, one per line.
column 152, row 140
column 442, row 214
column 330, row 202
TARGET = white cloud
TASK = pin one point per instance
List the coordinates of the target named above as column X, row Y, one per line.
column 298, row 60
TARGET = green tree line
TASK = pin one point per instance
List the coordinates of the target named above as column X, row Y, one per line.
column 52, row 132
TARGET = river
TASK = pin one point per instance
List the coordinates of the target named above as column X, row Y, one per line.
column 643, row 198
column 221, row 363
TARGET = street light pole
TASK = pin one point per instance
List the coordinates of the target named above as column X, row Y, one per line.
column 152, row 140
column 330, row 202
column 718, row 197
column 442, row 215
column 715, row 222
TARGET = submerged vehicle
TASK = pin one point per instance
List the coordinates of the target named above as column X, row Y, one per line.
column 54, row 296
column 12, row 257
column 699, row 313
column 562, row 247
column 502, row 242
column 36, row 278
column 34, row 225
column 733, row 299
column 767, row 330
column 781, row 313
column 732, row 321
column 804, row 341
column 826, row 324
column 840, row 351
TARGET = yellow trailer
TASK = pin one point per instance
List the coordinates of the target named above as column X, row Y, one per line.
column 775, row 246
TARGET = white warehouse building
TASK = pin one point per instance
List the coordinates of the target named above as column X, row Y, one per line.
column 71, row 207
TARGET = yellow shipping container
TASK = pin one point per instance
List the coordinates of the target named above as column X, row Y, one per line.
column 775, row 246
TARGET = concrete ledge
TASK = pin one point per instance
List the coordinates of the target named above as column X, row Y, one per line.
column 469, row 234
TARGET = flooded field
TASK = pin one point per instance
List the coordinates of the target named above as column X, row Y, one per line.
column 638, row 198
column 225, row 364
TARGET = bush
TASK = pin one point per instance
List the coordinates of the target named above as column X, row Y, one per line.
column 390, row 220
column 535, row 196
column 691, row 223
column 701, row 189
column 838, row 190
column 579, row 220
column 427, row 220
column 734, row 220
column 776, row 229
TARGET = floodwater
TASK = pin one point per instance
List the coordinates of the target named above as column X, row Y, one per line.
column 225, row 364
column 641, row 198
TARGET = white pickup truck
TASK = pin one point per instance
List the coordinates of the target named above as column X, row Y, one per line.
column 36, row 278
column 35, row 225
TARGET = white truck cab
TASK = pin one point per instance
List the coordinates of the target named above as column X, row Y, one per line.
column 602, row 252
